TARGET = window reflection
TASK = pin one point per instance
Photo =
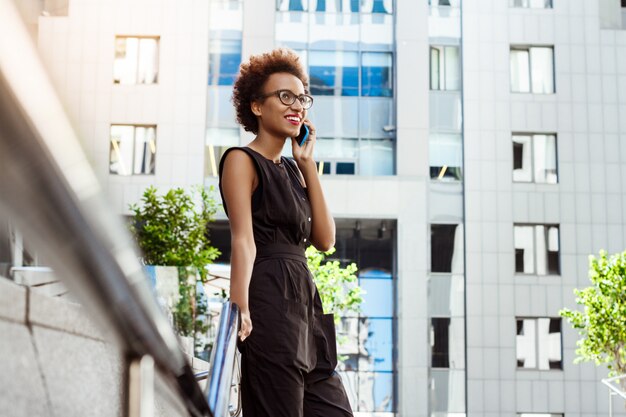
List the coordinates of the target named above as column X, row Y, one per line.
column 376, row 74
column 446, row 248
column 376, row 157
column 532, row 69
column 447, row 342
column 539, row 343
column 537, row 249
column 445, row 68
column 367, row 338
column 136, row 60
column 217, row 141
column 367, row 6
column 535, row 4
column 334, row 73
column 538, row 415
column 445, row 296
column 544, row 157
column 132, row 150
column 224, row 61
column 446, row 156
column 447, row 391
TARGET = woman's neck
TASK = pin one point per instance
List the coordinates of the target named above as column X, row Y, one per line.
column 268, row 145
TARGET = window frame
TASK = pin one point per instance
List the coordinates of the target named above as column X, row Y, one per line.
column 513, row 6
column 134, row 126
column 533, row 179
column 535, row 257
column 157, row 38
column 528, row 48
column 536, row 344
column 442, row 65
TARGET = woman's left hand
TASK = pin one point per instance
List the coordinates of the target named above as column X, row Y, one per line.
column 304, row 154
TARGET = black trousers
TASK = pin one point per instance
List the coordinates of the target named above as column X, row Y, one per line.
column 275, row 390
column 289, row 359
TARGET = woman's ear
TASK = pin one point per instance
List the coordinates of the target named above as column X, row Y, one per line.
column 255, row 106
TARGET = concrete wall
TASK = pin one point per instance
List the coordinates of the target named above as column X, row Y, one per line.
column 54, row 362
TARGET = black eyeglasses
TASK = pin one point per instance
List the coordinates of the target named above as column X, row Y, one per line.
column 288, row 98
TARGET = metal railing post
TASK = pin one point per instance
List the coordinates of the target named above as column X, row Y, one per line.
column 140, row 387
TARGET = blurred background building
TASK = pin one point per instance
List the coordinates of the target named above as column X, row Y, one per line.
column 471, row 153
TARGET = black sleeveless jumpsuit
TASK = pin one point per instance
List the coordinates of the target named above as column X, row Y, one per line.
column 289, row 359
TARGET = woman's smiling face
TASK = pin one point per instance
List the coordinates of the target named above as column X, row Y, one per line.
column 275, row 117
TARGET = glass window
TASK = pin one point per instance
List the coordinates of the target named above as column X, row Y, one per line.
column 537, row 249
column 446, row 156
column 539, row 415
column 132, row 150
column 444, row 68
column 378, row 298
column 292, row 5
column 334, row 73
column 376, row 345
column 377, row 6
column 532, row 70
column 447, row 391
column 376, row 157
column 446, row 248
column 337, row 156
column 535, row 158
column 376, row 74
column 446, row 296
column 136, row 60
column 447, row 342
column 520, row 71
column 375, row 392
column 217, row 141
column 539, row 343
column 224, row 61
column 522, row 159
column 542, row 70
column 534, row 4
column 366, row 338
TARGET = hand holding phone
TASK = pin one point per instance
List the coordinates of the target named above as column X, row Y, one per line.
column 303, row 135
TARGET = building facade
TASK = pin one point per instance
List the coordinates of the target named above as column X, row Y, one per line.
column 471, row 154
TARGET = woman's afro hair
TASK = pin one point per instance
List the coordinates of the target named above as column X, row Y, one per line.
column 252, row 77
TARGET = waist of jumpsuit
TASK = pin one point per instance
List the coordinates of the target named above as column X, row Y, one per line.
column 280, row 250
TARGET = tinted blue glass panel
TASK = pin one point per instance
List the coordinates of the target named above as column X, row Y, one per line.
column 378, row 299
column 376, row 75
column 375, row 392
column 375, row 273
column 224, row 61
column 378, row 7
column 321, row 6
column 354, row 6
column 378, row 344
column 333, row 73
column 345, row 168
column 296, row 5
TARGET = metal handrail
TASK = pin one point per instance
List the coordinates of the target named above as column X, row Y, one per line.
column 222, row 360
column 614, row 389
column 50, row 192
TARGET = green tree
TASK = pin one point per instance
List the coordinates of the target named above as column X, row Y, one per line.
column 337, row 286
column 602, row 323
column 171, row 229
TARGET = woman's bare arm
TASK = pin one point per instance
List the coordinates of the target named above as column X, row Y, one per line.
column 239, row 179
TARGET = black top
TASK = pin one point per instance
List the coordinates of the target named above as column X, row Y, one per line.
column 281, row 212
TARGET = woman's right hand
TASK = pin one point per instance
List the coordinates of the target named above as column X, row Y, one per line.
column 246, row 325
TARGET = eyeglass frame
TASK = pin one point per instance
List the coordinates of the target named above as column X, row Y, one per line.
column 297, row 97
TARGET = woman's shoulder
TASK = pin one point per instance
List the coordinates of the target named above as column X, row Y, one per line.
column 239, row 156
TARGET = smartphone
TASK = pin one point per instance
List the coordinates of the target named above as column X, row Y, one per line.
column 303, row 135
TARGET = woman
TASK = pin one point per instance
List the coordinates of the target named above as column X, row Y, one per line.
column 276, row 208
